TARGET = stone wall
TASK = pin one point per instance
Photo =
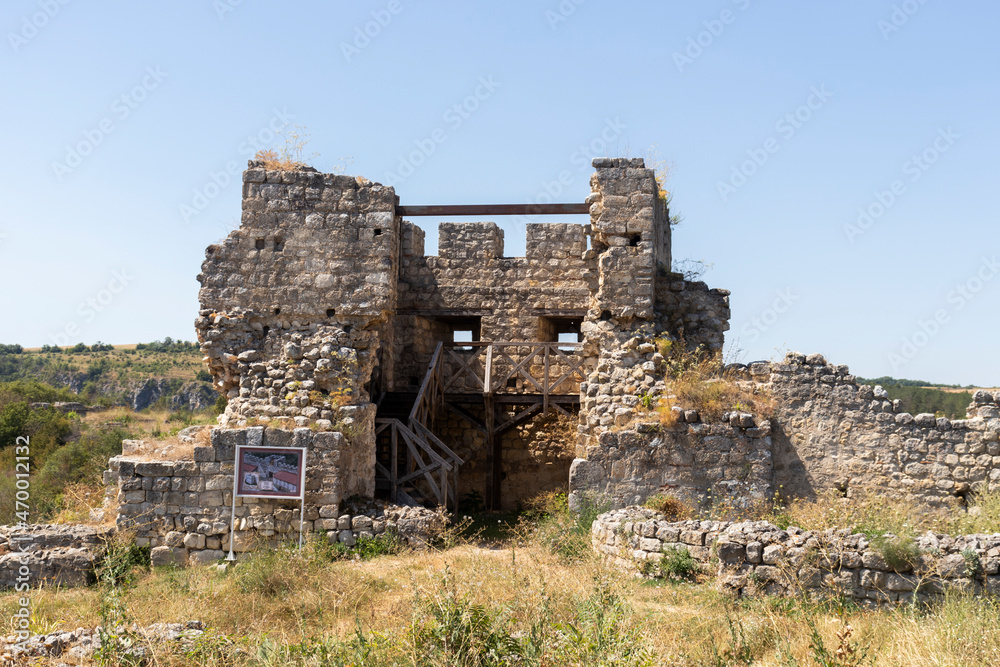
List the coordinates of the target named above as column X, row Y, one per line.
column 471, row 283
column 828, row 433
column 50, row 555
column 701, row 464
column 756, row 557
column 692, row 312
column 310, row 274
column 181, row 508
column 834, row 433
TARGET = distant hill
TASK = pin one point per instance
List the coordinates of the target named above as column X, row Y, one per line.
column 168, row 372
column 944, row 400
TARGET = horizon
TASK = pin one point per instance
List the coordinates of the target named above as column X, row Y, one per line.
column 832, row 164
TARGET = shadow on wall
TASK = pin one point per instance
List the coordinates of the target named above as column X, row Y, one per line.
column 791, row 477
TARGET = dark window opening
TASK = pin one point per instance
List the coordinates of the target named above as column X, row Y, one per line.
column 633, row 240
column 378, row 232
column 267, row 330
column 279, row 244
column 260, row 244
column 277, row 311
column 605, row 315
column 462, row 329
column 560, row 329
column 414, row 381
column 512, row 383
column 330, row 312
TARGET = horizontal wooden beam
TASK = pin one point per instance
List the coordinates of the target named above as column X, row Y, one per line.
column 494, row 209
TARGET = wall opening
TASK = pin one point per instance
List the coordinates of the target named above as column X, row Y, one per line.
column 462, row 330
column 260, row 244
column 560, row 329
column 279, row 244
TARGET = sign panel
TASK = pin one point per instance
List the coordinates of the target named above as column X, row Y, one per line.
column 270, row 472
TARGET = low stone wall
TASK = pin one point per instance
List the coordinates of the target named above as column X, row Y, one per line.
column 758, row 558
column 181, row 509
column 54, row 555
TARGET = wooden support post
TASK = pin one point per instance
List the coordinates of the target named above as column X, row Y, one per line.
column 393, row 463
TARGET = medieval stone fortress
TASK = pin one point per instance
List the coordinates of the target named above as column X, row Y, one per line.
column 429, row 379
column 471, row 377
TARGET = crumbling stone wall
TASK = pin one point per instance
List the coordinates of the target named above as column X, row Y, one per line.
column 298, row 299
column 828, row 433
column 50, row 555
column 702, row 464
column 834, row 433
column 757, row 558
column 470, row 279
column 637, row 298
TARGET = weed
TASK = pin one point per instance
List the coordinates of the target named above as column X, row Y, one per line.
column 847, row 653
column 899, row 553
column 562, row 531
column 973, row 564
column 698, row 379
column 675, row 565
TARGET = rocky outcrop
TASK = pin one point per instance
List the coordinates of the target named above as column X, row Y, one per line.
column 192, row 395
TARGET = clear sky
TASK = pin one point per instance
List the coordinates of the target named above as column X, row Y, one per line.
column 834, row 163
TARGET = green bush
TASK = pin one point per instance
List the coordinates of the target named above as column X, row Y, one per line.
column 899, row 553
column 676, row 565
column 564, row 532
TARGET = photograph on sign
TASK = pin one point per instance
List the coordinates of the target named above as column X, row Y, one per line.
column 271, row 472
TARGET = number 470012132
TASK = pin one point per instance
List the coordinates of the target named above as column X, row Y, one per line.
column 22, row 470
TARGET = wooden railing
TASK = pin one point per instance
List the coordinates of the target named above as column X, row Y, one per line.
column 506, row 368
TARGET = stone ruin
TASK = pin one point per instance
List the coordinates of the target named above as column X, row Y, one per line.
column 470, row 379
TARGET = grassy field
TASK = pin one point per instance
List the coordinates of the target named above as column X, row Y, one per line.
column 535, row 596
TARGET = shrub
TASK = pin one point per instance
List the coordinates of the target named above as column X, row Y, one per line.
column 899, row 553
column 561, row 530
column 698, row 379
column 671, row 507
column 676, row 565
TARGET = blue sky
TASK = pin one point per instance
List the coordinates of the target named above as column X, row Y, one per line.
column 782, row 122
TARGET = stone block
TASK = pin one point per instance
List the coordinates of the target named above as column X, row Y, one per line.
column 165, row 555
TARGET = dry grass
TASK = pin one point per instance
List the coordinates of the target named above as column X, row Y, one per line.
column 79, row 501
column 681, row 624
column 697, row 379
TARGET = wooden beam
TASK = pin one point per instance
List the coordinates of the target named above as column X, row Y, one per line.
column 494, row 209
